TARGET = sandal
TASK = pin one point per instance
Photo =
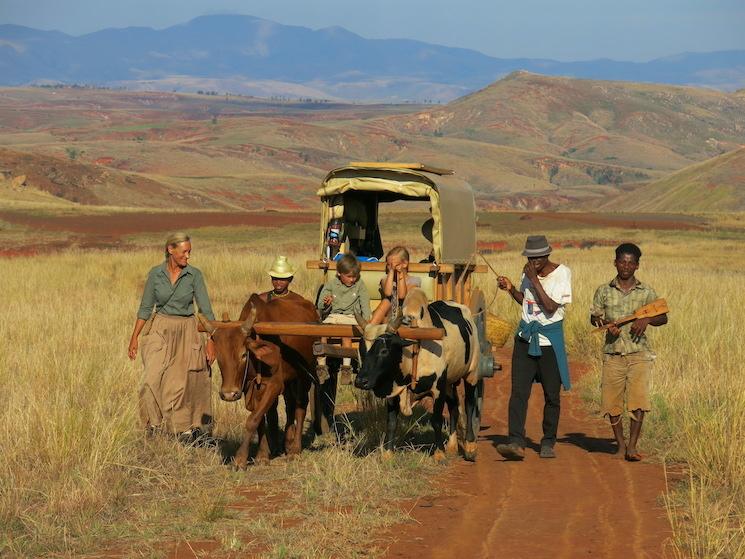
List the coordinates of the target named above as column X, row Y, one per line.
column 634, row 457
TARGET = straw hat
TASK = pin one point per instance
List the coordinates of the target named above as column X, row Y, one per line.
column 281, row 268
column 536, row 245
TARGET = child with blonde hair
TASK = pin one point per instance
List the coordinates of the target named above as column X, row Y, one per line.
column 395, row 284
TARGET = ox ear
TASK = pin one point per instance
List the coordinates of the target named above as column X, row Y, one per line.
column 248, row 324
column 266, row 352
column 206, row 324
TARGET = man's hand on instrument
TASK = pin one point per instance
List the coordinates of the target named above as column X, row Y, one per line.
column 327, row 300
column 612, row 328
column 504, row 283
column 638, row 327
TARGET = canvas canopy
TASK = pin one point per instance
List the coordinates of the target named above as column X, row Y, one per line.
column 353, row 193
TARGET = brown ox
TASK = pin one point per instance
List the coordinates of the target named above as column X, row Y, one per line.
column 278, row 364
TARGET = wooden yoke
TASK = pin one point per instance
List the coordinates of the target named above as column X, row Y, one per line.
column 317, row 329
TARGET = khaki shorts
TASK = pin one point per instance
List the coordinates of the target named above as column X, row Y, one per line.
column 628, row 376
column 335, row 318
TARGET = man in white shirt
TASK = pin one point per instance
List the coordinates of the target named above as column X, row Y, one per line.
column 539, row 354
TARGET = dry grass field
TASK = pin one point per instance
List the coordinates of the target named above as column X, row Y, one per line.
column 77, row 476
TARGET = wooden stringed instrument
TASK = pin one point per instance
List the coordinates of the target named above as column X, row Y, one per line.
column 655, row 308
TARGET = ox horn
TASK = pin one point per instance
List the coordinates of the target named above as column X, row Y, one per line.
column 248, row 324
column 206, row 324
column 395, row 323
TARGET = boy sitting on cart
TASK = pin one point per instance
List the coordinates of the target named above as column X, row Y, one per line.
column 337, row 303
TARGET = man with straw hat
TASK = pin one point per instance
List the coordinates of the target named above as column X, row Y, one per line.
column 539, row 354
column 282, row 273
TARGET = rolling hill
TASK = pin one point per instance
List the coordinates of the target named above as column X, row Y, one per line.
column 525, row 142
column 638, row 125
column 716, row 185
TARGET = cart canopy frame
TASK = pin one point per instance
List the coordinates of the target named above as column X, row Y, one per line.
column 353, row 193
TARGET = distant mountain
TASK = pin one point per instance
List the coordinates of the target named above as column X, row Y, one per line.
column 716, row 185
column 244, row 54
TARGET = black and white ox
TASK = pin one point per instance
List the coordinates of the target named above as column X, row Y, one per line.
column 387, row 362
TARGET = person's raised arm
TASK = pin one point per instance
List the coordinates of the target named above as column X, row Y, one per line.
column 547, row 303
column 402, row 283
column 505, row 284
column 388, row 281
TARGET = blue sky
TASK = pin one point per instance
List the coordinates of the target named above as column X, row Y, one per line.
column 563, row 30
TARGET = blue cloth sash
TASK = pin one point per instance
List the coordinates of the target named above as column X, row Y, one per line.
column 529, row 332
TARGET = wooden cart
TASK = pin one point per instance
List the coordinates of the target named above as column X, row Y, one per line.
column 351, row 197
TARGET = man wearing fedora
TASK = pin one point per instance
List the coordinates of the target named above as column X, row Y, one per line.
column 282, row 273
column 539, row 354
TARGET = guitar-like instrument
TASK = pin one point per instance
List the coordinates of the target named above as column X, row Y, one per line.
column 655, row 308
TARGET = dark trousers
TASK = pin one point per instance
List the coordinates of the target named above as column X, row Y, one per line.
column 525, row 370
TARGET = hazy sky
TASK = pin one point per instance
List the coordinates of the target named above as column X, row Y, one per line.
column 558, row 29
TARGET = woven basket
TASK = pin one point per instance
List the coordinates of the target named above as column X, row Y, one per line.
column 498, row 331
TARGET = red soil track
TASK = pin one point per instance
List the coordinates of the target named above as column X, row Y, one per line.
column 584, row 503
column 114, row 225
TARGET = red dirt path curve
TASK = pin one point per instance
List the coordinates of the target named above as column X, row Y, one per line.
column 585, row 503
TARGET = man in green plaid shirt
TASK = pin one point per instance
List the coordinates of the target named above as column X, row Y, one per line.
column 627, row 355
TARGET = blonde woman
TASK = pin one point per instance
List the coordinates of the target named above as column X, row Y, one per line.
column 175, row 392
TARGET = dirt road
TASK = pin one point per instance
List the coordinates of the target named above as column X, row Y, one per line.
column 585, row 503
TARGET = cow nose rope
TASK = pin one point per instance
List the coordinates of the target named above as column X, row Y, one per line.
column 245, row 374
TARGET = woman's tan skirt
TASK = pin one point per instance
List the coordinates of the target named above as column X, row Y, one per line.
column 175, row 392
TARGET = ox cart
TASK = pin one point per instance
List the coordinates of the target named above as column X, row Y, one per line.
column 351, row 199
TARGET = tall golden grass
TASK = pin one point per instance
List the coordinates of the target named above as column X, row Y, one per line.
column 76, row 474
